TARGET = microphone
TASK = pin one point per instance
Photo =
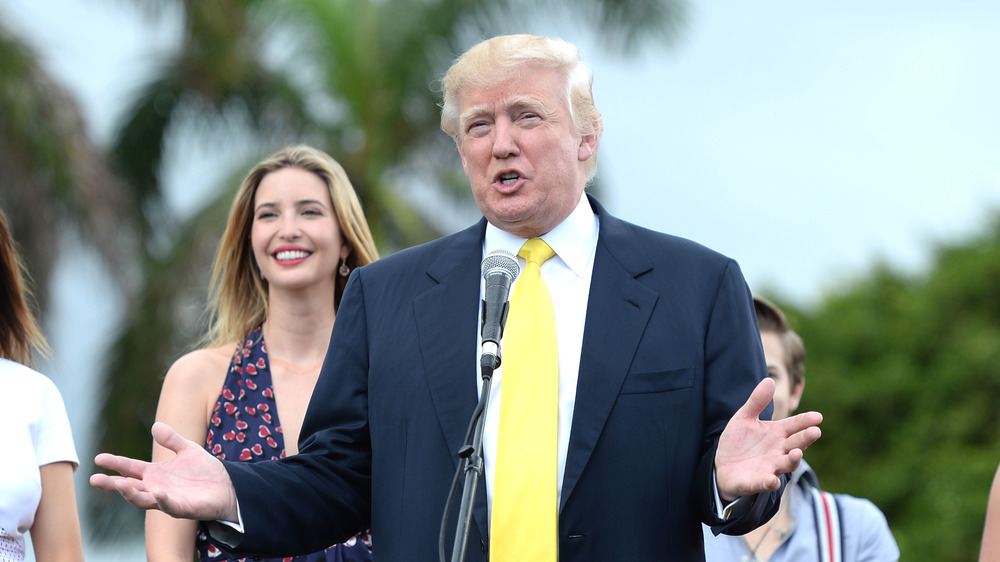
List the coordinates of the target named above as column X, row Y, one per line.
column 500, row 268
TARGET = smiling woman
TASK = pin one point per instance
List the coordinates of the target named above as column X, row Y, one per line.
column 294, row 234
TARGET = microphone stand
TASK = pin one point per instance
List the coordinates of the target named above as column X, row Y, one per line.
column 471, row 466
column 499, row 271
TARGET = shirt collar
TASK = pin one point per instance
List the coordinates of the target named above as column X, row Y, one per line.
column 801, row 472
column 574, row 239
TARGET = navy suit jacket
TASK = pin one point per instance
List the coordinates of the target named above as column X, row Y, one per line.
column 670, row 351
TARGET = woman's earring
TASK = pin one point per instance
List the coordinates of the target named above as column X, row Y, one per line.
column 344, row 271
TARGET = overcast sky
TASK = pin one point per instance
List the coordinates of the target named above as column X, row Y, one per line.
column 807, row 141
column 804, row 139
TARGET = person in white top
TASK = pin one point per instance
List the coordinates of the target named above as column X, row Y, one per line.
column 37, row 494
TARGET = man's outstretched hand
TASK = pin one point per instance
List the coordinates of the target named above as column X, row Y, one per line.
column 754, row 453
column 192, row 485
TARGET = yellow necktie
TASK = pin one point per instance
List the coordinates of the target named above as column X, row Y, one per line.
column 524, row 519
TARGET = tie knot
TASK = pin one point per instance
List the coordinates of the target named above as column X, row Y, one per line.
column 535, row 250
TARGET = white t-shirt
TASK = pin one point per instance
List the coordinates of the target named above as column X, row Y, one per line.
column 36, row 432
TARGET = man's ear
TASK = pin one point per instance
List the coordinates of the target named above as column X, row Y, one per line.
column 461, row 154
column 588, row 147
column 796, row 397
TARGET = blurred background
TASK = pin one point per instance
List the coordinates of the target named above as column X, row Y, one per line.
column 846, row 154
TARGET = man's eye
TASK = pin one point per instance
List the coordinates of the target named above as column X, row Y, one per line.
column 478, row 128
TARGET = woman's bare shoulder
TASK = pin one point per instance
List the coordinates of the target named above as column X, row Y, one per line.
column 201, row 366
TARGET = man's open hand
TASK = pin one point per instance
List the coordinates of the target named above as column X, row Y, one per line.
column 754, row 453
column 192, row 485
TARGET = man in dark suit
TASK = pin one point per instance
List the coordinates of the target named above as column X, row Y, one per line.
column 657, row 351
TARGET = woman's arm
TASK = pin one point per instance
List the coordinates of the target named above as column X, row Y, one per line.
column 990, row 551
column 55, row 534
column 189, row 392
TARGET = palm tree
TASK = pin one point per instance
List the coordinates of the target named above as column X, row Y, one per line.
column 350, row 76
column 56, row 185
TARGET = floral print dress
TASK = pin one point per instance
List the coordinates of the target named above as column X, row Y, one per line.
column 245, row 427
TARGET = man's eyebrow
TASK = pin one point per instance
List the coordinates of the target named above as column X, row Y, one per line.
column 511, row 103
column 521, row 102
column 474, row 112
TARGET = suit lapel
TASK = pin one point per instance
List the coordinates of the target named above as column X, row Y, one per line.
column 447, row 319
column 617, row 313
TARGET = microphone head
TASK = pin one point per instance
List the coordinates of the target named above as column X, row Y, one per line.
column 499, row 261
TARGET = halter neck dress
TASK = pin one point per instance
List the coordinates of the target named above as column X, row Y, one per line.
column 245, row 427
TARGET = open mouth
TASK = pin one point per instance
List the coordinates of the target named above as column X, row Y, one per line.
column 509, row 178
column 290, row 255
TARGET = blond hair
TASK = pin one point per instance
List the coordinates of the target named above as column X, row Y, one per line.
column 503, row 58
column 20, row 334
column 238, row 295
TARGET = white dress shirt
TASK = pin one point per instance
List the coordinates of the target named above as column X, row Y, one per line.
column 567, row 277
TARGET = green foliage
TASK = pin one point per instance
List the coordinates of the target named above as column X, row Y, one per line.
column 906, row 371
column 166, row 319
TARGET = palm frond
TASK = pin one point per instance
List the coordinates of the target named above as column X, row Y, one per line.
column 53, row 175
column 164, row 321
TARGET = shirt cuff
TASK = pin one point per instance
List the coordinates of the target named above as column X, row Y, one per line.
column 723, row 512
column 227, row 532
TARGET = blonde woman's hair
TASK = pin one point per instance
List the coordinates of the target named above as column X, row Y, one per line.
column 20, row 335
column 238, row 295
column 503, row 58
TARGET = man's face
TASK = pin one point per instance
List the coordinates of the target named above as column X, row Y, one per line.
column 521, row 152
